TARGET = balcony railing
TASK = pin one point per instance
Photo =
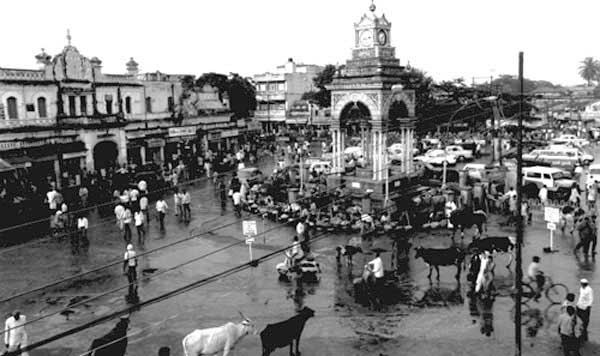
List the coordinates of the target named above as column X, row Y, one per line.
column 13, row 123
column 23, row 74
column 271, row 113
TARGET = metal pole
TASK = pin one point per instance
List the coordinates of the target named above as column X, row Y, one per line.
column 519, row 271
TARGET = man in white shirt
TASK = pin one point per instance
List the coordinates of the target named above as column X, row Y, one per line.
column 161, row 208
column 376, row 267
column 584, row 306
column 144, row 207
column 139, row 218
column 449, row 208
column 300, row 229
column 133, row 195
column 82, row 228
column 127, row 220
column 51, row 197
column 237, row 203
column 186, row 200
column 15, row 336
column 143, row 187
column 129, row 268
column 543, row 195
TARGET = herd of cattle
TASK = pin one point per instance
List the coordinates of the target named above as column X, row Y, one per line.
column 216, row 340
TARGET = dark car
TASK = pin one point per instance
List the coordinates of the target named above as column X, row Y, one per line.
column 154, row 181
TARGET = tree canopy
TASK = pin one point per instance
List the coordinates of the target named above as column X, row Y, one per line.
column 239, row 90
column 589, row 70
column 322, row 96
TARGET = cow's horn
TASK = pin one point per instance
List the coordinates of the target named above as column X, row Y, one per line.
column 243, row 316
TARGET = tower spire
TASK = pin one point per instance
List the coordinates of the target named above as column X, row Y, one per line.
column 372, row 7
column 69, row 37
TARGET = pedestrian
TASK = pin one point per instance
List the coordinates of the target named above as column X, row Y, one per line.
column 574, row 197
column 83, row 196
column 569, row 330
column 82, row 229
column 144, row 207
column 300, row 229
column 511, row 195
column 376, row 267
column 178, row 204
column 129, row 269
column 237, row 203
column 584, row 306
column 585, row 231
column 143, row 187
column 139, row 218
column 134, row 195
column 127, row 220
column 449, row 208
column 161, row 209
column 223, row 195
column 525, row 212
column 594, row 236
column 543, row 195
column 592, row 189
column 15, row 336
column 186, row 201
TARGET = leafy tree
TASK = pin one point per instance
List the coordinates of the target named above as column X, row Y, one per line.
column 322, row 96
column 216, row 80
column 589, row 70
column 242, row 95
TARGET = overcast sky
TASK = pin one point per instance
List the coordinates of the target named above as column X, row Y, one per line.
column 448, row 39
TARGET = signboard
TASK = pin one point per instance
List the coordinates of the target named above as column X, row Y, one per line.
column 155, row 142
column 552, row 214
column 249, row 228
column 230, row 133
column 214, row 136
column 182, row 131
column 250, row 240
column 551, row 226
column 356, row 185
column 10, row 145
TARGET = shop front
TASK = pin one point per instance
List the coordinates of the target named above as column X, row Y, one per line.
column 155, row 150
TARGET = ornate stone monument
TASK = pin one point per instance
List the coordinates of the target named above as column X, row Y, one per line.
column 367, row 102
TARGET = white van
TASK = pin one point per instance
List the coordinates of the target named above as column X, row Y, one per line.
column 559, row 155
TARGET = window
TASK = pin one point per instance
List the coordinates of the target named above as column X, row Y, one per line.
column 534, row 175
column 170, row 104
column 41, row 104
column 128, row 105
column 272, row 86
column 148, row 104
column 109, row 104
column 281, row 86
column 83, row 104
column 72, row 106
column 11, row 104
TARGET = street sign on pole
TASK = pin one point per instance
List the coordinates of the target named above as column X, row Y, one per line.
column 551, row 226
column 249, row 230
column 552, row 214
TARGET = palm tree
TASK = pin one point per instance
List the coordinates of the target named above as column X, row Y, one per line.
column 589, row 69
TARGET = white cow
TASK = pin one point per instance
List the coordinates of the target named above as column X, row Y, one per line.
column 219, row 339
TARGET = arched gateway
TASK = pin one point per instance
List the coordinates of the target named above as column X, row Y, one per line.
column 367, row 100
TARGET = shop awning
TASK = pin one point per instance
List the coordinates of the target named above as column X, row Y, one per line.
column 5, row 166
column 19, row 161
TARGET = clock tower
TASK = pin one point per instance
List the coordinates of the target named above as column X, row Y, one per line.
column 368, row 101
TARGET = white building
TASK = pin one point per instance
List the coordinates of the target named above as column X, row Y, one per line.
column 277, row 92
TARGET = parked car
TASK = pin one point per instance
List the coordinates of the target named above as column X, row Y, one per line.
column 593, row 174
column 320, row 167
column 557, row 181
column 570, row 139
column 437, row 158
column 461, row 153
column 559, row 155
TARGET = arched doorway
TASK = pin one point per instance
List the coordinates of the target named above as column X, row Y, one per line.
column 355, row 120
column 398, row 110
column 105, row 155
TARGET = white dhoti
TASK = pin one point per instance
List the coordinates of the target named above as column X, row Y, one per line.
column 479, row 283
column 14, row 334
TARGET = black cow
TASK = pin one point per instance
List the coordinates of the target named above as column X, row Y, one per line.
column 465, row 218
column 435, row 257
column 112, row 344
column 500, row 244
column 279, row 335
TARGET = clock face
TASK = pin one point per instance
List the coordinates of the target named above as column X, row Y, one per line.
column 366, row 38
column 382, row 37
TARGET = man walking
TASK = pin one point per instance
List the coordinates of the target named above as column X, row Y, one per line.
column 376, row 267
column 584, row 306
column 186, row 200
column 237, row 203
column 129, row 268
column 161, row 209
column 543, row 195
column 139, row 218
column 127, row 220
column 569, row 330
column 223, row 195
column 144, row 207
column 15, row 336
column 586, row 231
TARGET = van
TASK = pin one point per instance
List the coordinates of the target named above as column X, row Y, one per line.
column 559, row 155
column 557, row 181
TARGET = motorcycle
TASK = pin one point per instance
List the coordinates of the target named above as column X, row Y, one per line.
column 305, row 268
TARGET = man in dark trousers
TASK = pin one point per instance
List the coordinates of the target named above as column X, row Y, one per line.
column 129, row 268
column 223, row 195
column 586, row 231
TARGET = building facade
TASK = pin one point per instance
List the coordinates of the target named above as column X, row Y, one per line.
column 277, row 92
column 69, row 116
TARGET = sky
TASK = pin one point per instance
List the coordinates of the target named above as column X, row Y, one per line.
column 447, row 39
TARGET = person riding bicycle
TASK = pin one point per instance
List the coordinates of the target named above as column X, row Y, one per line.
column 536, row 276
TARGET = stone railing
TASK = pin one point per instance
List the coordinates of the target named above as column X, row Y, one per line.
column 23, row 74
column 12, row 123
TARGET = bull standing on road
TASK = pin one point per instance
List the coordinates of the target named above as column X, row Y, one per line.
column 284, row 333
column 215, row 340
column 112, row 344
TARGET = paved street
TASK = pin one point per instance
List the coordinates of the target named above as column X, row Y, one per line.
column 437, row 312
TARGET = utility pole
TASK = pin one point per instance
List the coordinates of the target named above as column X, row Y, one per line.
column 519, row 271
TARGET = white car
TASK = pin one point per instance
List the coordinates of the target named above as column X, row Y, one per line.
column 458, row 151
column 437, row 158
column 395, row 152
column 570, row 139
column 593, row 174
column 354, row 152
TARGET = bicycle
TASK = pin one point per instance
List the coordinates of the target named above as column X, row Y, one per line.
column 554, row 292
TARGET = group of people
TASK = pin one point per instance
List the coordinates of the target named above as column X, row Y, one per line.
column 575, row 318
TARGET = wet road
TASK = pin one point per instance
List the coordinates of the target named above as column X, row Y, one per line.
column 433, row 320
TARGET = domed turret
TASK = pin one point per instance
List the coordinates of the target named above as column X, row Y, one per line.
column 132, row 67
column 43, row 58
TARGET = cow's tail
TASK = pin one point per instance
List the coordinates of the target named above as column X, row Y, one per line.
column 184, row 344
